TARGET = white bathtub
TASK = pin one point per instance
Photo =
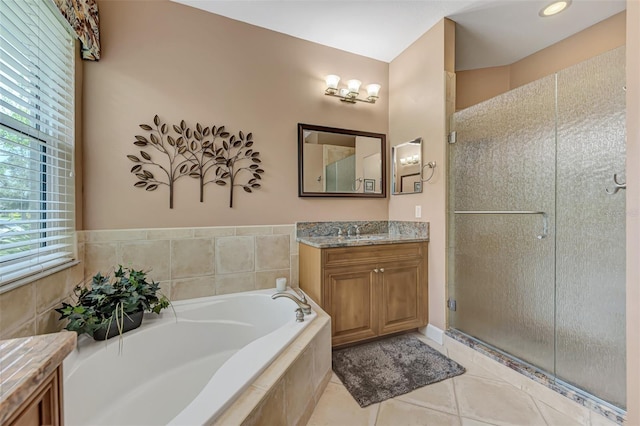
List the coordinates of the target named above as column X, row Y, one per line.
column 182, row 371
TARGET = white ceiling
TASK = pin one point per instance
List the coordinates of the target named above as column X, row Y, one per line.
column 489, row 32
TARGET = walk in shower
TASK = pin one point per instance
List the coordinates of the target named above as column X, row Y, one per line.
column 537, row 225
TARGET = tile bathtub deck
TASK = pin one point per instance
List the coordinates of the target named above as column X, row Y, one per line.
column 481, row 396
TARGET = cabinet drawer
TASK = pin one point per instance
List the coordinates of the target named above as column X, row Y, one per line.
column 376, row 253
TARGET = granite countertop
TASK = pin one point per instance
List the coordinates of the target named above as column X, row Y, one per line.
column 362, row 240
column 25, row 363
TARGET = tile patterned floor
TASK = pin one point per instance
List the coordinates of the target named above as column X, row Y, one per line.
column 487, row 394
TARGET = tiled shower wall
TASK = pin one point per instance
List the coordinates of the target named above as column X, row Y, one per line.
column 188, row 262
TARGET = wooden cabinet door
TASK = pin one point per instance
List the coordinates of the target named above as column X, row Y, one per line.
column 44, row 406
column 350, row 301
column 403, row 296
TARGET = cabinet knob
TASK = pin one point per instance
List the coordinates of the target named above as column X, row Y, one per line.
column 375, row 270
column 381, row 269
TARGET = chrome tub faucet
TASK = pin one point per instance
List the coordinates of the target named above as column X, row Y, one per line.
column 303, row 307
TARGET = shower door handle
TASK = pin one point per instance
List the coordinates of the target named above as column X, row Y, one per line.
column 545, row 217
column 617, row 185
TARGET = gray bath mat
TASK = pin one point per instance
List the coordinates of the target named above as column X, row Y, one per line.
column 373, row 372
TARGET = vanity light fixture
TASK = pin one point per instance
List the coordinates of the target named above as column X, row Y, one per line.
column 350, row 94
column 554, row 8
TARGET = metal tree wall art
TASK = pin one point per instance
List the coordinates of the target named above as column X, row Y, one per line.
column 232, row 158
column 206, row 154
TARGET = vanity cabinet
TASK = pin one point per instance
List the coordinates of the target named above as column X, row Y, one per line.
column 43, row 407
column 368, row 291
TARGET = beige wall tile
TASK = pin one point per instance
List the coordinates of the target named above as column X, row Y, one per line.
column 234, row 254
column 75, row 276
column 151, row 256
column 49, row 322
column 289, row 230
column 115, row 235
column 51, row 290
column 321, row 347
column 189, row 288
column 267, row 279
column 271, row 410
column 242, row 407
column 192, row 257
column 99, row 257
column 26, row 329
column 169, row 233
column 235, row 283
column 283, row 229
column 272, row 252
column 253, row 230
column 218, row 231
column 17, row 307
column 299, row 388
column 165, row 289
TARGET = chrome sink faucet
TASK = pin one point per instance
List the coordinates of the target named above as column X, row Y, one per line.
column 303, row 307
column 357, row 228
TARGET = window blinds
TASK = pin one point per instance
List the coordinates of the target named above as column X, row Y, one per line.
column 37, row 208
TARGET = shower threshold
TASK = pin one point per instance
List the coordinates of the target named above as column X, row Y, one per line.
column 591, row 402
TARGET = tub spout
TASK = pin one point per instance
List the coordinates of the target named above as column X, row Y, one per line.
column 302, row 303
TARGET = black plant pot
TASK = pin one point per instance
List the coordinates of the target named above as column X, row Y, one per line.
column 131, row 322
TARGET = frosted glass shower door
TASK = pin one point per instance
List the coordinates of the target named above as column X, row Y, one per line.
column 590, row 227
column 502, row 203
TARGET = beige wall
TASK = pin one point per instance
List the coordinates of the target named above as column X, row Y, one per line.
column 182, row 63
column 417, row 109
column 633, row 212
column 474, row 86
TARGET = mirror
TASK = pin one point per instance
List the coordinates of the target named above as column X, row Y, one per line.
column 406, row 165
column 340, row 163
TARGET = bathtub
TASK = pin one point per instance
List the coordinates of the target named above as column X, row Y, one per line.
column 179, row 370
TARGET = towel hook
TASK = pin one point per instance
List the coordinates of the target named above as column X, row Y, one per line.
column 432, row 166
column 617, row 185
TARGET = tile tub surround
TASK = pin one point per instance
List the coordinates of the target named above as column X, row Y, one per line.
column 25, row 363
column 198, row 262
column 287, row 392
column 324, row 234
column 29, row 309
column 528, row 373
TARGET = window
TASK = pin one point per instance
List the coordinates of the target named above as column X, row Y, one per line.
column 37, row 209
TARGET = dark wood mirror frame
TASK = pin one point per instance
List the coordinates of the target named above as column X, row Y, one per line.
column 302, row 128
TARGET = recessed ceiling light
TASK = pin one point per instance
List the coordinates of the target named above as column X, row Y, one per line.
column 554, row 8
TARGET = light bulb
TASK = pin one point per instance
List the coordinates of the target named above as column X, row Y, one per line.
column 554, row 8
column 332, row 81
column 354, row 85
column 373, row 90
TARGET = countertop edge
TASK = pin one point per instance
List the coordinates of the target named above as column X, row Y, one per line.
column 43, row 354
column 328, row 242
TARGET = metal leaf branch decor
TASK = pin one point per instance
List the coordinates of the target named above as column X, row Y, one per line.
column 206, row 154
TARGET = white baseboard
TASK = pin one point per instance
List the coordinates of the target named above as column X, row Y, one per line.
column 433, row 333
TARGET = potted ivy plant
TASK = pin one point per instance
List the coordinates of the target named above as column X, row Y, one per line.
column 109, row 307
